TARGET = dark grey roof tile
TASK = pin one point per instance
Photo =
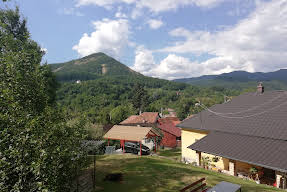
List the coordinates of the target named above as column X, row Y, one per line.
column 267, row 116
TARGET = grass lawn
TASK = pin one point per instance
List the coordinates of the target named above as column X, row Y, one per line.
column 149, row 173
column 176, row 152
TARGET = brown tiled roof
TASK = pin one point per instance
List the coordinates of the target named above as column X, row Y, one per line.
column 253, row 114
column 129, row 133
column 150, row 117
column 269, row 153
column 146, row 117
column 133, row 119
column 168, row 124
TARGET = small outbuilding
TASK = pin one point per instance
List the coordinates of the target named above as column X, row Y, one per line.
column 171, row 133
column 131, row 134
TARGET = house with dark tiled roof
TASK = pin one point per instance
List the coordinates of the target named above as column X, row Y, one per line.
column 171, row 133
column 247, row 133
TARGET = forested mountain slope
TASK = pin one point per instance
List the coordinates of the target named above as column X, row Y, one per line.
column 241, row 80
column 91, row 67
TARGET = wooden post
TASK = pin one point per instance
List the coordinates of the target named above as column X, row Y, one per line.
column 124, row 146
column 198, row 158
column 278, row 179
column 283, row 182
column 140, row 148
column 232, row 167
column 155, row 144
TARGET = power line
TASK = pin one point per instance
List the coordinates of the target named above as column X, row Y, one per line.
column 252, row 108
column 247, row 116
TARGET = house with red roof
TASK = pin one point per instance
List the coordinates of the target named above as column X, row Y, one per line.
column 146, row 119
column 171, row 133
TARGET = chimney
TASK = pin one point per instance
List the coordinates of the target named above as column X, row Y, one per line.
column 260, row 88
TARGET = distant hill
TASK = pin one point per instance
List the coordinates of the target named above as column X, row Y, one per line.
column 103, row 68
column 91, row 67
column 241, row 80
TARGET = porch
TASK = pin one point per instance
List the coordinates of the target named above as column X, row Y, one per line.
column 243, row 156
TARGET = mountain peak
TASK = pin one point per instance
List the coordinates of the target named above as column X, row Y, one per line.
column 91, row 67
column 95, row 55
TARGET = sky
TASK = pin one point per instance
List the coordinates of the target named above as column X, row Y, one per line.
column 169, row 39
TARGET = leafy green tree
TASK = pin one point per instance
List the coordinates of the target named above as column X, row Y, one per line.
column 120, row 113
column 140, row 98
column 184, row 107
column 39, row 151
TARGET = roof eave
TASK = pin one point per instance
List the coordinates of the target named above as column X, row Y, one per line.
column 254, row 163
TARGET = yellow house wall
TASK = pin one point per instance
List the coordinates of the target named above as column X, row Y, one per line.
column 222, row 163
column 188, row 137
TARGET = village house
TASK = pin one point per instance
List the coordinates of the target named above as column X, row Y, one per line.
column 245, row 137
column 171, row 133
column 145, row 119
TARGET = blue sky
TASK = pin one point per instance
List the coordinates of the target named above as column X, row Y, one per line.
column 167, row 39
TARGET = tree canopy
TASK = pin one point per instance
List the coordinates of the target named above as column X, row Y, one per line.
column 39, row 151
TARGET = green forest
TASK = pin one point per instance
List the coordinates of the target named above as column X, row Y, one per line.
column 106, row 99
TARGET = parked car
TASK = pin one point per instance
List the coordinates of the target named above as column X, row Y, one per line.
column 134, row 148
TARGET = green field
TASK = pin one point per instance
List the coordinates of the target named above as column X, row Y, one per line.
column 149, row 173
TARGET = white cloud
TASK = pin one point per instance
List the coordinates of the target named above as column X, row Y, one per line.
column 256, row 43
column 242, row 7
column 102, row 3
column 71, row 11
column 155, row 6
column 167, row 5
column 110, row 36
column 120, row 15
column 154, row 23
column 174, row 66
column 45, row 50
column 136, row 13
column 144, row 61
